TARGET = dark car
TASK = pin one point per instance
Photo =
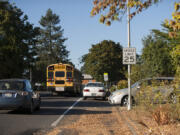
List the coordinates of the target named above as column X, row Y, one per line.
column 18, row 94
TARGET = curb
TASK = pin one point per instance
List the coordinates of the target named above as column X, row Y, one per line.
column 125, row 119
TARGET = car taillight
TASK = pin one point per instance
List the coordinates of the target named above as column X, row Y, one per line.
column 23, row 93
column 86, row 90
column 101, row 90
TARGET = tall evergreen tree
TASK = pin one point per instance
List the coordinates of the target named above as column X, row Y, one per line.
column 51, row 48
column 16, row 41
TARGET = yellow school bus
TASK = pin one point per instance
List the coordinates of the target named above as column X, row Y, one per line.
column 64, row 78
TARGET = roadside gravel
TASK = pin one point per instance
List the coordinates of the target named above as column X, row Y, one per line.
column 103, row 123
column 113, row 121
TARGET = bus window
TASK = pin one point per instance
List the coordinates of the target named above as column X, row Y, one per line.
column 51, row 68
column 50, row 75
column 59, row 74
column 69, row 74
column 69, row 68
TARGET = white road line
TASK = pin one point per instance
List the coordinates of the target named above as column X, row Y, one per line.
column 54, row 124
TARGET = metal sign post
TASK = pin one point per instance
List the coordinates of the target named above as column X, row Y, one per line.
column 106, row 80
column 129, row 57
column 129, row 67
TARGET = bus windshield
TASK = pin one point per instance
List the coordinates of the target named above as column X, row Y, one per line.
column 60, row 74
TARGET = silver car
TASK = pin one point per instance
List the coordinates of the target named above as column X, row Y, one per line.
column 95, row 90
column 121, row 96
column 18, row 94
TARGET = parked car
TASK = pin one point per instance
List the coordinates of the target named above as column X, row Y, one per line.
column 18, row 94
column 95, row 90
column 121, row 96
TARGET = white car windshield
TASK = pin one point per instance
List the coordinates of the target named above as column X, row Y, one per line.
column 94, row 85
column 135, row 84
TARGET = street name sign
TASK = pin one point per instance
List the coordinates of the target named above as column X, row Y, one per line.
column 129, row 55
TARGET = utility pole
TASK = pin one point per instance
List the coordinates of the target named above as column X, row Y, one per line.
column 129, row 66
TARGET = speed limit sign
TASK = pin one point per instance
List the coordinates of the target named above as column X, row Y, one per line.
column 129, row 55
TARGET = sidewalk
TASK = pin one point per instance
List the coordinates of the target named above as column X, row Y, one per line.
column 108, row 122
column 113, row 121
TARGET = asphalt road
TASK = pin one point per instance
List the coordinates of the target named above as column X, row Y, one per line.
column 53, row 110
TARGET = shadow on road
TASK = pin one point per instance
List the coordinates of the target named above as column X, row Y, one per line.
column 68, row 101
column 56, row 111
column 53, row 111
column 58, row 105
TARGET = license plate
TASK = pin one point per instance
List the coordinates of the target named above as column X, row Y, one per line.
column 93, row 94
column 59, row 88
column 8, row 95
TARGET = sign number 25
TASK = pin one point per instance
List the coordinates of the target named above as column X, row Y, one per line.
column 129, row 55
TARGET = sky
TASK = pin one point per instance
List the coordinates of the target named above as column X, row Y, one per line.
column 83, row 31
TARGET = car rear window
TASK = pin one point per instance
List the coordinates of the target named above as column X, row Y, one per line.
column 94, row 85
column 11, row 85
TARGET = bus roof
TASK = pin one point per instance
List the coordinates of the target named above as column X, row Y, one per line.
column 60, row 64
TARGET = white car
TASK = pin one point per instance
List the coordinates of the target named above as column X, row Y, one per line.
column 121, row 96
column 95, row 90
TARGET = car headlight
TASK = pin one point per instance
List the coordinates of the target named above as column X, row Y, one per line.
column 119, row 93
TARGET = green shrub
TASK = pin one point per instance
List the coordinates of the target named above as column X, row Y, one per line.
column 122, row 84
column 113, row 88
column 153, row 102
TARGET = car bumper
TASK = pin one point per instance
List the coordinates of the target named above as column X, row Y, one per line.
column 86, row 94
column 114, row 99
column 111, row 101
column 13, row 103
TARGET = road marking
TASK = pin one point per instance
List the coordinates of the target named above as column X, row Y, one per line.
column 54, row 124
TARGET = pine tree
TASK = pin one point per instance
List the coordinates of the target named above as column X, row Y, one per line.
column 16, row 41
column 51, row 48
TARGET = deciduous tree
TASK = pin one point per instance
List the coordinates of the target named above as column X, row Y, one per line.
column 115, row 9
column 105, row 57
column 156, row 57
column 175, row 22
column 174, row 34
